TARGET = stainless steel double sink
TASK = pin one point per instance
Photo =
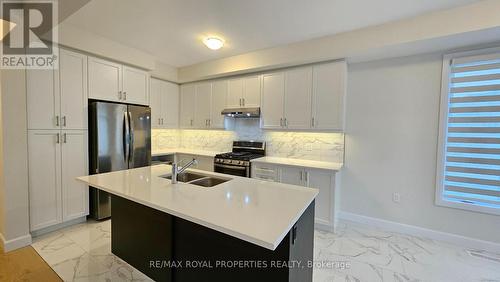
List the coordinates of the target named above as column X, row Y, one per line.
column 198, row 179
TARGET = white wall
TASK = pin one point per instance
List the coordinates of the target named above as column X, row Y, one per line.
column 14, row 155
column 477, row 23
column 391, row 145
column 79, row 39
column 2, row 189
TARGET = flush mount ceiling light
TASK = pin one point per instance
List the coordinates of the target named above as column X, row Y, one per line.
column 213, row 43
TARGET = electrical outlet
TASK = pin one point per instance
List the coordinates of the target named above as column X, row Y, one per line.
column 396, row 197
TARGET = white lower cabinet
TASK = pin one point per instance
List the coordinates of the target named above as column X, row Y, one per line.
column 56, row 157
column 75, row 194
column 44, row 178
column 323, row 180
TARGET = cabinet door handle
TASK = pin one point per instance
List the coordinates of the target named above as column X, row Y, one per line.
column 312, row 122
column 243, row 104
column 57, row 138
column 161, row 121
column 64, row 138
column 125, row 96
column 119, row 95
column 191, row 122
column 209, row 122
column 57, row 120
column 306, row 176
column 285, row 122
column 64, row 120
column 300, row 175
column 281, row 122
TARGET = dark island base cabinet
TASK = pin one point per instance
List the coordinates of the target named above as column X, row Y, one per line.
column 168, row 248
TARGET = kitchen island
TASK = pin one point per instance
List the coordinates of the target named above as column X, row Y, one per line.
column 239, row 230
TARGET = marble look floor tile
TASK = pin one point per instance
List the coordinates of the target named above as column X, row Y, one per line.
column 55, row 248
column 403, row 257
column 354, row 253
column 94, row 237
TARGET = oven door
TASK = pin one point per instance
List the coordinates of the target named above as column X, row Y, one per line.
column 243, row 171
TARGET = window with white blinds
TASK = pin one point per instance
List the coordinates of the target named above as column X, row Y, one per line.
column 469, row 145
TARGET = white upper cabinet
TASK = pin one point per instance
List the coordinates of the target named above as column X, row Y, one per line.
column 244, row 92
column 164, row 103
column 155, row 95
column 43, row 104
column 170, row 105
column 202, row 104
column 104, row 80
column 187, row 106
column 329, row 90
column 251, row 91
column 234, row 93
column 273, row 95
column 58, row 99
column 298, row 91
column 111, row 81
column 75, row 194
column 219, row 94
column 135, row 85
column 73, row 89
column 312, row 98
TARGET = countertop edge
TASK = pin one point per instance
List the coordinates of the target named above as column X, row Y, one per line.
column 283, row 162
column 271, row 246
column 186, row 152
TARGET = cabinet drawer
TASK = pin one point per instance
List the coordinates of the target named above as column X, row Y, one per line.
column 265, row 172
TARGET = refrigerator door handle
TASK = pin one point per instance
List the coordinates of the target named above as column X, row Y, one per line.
column 131, row 137
column 126, row 138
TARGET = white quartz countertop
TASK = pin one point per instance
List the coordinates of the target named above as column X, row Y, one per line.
column 299, row 163
column 256, row 211
column 185, row 151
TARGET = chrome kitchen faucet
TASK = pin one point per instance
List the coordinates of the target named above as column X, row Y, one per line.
column 176, row 170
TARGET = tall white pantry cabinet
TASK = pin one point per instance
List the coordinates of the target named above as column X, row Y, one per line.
column 57, row 141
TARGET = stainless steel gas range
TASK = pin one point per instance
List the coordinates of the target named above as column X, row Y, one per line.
column 237, row 162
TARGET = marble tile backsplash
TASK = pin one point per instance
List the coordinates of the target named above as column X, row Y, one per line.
column 300, row 145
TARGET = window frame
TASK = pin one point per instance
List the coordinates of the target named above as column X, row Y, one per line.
column 443, row 130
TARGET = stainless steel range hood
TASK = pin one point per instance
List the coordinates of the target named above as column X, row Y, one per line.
column 242, row 112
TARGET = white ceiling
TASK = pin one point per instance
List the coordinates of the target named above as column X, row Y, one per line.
column 171, row 30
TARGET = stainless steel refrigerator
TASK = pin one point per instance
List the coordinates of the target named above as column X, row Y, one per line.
column 120, row 138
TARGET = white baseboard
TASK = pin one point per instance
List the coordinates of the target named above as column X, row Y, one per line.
column 16, row 243
column 53, row 228
column 462, row 241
